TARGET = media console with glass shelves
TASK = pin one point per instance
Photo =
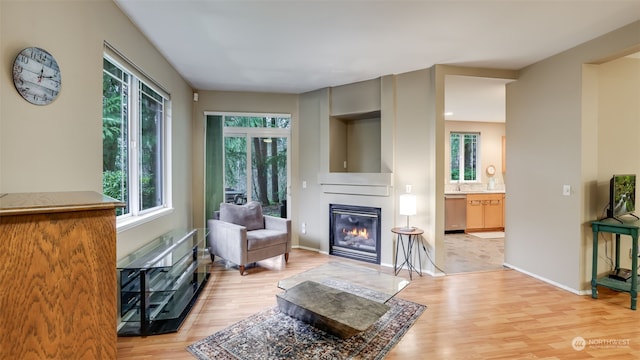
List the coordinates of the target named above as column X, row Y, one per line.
column 160, row 282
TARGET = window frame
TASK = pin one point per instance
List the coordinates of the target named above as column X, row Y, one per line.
column 251, row 132
column 136, row 77
column 461, row 161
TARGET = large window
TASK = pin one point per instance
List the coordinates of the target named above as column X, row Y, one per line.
column 247, row 158
column 256, row 159
column 464, row 156
column 134, row 142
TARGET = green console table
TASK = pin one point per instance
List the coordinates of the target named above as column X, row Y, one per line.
column 628, row 226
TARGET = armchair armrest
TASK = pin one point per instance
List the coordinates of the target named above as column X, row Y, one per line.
column 227, row 240
column 276, row 223
column 279, row 224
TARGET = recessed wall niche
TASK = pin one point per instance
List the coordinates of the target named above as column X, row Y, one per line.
column 354, row 143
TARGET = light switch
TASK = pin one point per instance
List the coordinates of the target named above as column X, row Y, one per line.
column 304, row 184
column 566, row 190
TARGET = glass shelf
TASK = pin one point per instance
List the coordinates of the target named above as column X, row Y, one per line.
column 160, row 282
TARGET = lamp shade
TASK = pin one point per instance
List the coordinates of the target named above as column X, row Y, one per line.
column 407, row 204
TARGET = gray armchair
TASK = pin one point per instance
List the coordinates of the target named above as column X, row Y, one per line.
column 242, row 235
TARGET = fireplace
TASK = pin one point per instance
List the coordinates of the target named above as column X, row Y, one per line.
column 354, row 232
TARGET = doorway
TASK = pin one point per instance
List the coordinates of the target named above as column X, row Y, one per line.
column 474, row 107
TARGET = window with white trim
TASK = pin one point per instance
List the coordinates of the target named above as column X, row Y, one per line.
column 464, row 156
column 135, row 141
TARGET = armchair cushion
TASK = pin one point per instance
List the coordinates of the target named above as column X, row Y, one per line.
column 249, row 215
column 263, row 238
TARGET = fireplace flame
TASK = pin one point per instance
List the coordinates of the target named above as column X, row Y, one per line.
column 362, row 233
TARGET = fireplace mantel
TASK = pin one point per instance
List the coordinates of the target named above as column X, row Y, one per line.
column 371, row 184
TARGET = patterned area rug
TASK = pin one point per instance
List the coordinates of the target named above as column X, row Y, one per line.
column 271, row 334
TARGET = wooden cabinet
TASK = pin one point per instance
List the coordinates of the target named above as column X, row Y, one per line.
column 475, row 212
column 58, row 290
column 485, row 212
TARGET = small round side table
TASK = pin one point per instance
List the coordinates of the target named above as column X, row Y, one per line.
column 412, row 235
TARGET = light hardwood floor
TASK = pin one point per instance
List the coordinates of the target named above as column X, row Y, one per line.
column 500, row 314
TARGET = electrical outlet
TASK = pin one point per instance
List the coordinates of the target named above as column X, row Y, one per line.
column 303, row 228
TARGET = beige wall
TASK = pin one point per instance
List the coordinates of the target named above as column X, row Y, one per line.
column 360, row 97
column 619, row 120
column 354, row 145
column 618, row 135
column 314, row 106
column 548, row 234
column 416, row 154
column 58, row 147
column 337, row 145
column 363, row 139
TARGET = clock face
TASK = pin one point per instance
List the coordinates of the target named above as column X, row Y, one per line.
column 36, row 76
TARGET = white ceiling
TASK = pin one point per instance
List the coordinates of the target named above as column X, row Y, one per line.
column 297, row 46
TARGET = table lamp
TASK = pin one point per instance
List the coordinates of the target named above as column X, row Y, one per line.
column 408, row 207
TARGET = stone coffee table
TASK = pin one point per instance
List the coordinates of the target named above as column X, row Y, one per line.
column 325, row 297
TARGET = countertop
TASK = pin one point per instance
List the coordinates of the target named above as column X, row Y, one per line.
column 46, row 202
column 462, row 192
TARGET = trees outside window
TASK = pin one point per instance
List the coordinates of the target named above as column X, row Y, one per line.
column 464, row 156
column 133, row 140
column 256, row 159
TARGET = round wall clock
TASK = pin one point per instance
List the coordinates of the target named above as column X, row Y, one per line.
column 36, row 76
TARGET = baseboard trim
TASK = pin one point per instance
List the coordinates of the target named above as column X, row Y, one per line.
column 548, row 281
column 310, row 249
